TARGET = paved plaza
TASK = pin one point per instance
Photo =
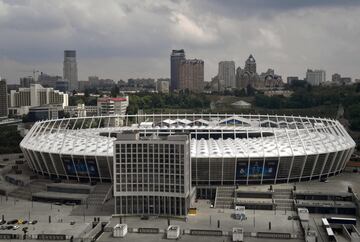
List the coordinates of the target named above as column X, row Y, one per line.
column 206, row 217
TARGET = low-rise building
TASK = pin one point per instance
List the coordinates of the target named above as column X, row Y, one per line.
column 82, row 111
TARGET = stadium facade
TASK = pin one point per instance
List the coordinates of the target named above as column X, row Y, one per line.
column 225, row 149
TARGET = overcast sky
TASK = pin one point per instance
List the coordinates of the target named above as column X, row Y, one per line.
column 121, row 39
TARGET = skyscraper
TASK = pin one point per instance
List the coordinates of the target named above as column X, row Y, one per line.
column 3, row 99
column 70, row 69
column 250, row 64
column 176, row 57
column 191, row 75
column 227, row 73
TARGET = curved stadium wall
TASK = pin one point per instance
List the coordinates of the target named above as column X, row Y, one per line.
column 225, row 149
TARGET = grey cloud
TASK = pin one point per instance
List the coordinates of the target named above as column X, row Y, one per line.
column 122, row 39
column 267, row 8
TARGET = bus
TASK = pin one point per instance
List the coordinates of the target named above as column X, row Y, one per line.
column 330, row 235
column 339, row 220
column 325, row 223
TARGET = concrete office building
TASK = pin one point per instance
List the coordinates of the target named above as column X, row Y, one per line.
column 70, row 71
column 315, row 77
column 152, row 175
column 3, row 98
column 227, row 73
column 36, row 95
column 191, row 75
column 163, row 85
column 175, row 59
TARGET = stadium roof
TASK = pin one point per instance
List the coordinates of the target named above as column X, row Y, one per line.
column 262, row 136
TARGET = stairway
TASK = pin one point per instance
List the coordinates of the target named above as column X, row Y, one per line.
column 95, row 204
column 224, row 197
column 283, row 199
column 97, row 196
column 25, row 192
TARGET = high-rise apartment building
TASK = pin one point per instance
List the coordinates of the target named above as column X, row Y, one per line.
column 152, row 175
column 191, row 75
column 34, row 96
column 315, row 77
column 176, row 57
column 70, row 72
column 227, row 73
column 3, row 98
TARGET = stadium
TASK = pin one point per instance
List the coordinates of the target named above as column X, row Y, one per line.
column 225, row 149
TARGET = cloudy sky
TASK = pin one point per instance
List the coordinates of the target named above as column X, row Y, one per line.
column 121, row 39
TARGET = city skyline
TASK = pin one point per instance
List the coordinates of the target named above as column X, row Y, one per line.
column 289, row 37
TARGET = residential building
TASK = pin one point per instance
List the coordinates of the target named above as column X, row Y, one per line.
column 177, row 56
column 227, row 73
column 315, row 77
column 152, row 175
column 26, row 81
column 3, row 98
column 337, row 79
column 82, row 111
column 345, row 81
column 113, row 106
column 191, row 75
column 83, row 85
column 70, row 71
column 142, row 83
column 36, row 95
column 94, row 82
column 163, row 85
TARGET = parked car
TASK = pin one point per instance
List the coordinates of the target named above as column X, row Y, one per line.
column 14, row 221
column 16, row 227
column 33, row 222
column 9, row 227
